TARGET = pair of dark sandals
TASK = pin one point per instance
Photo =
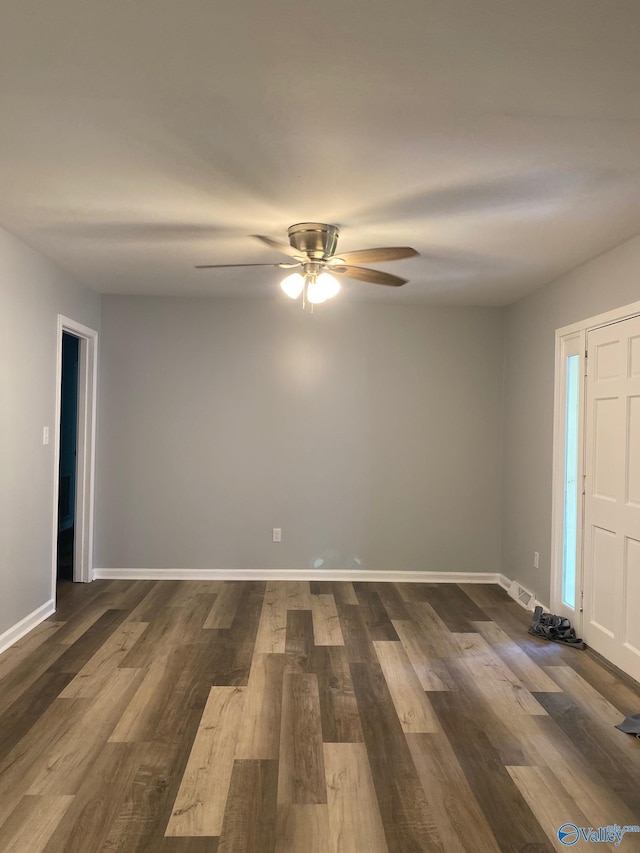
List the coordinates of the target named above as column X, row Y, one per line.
column 557, row 629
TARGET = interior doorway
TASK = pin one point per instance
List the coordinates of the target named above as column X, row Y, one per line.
column 67, row 468
column 76, row 385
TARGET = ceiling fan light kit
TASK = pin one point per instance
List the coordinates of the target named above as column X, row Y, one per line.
column 312, row 245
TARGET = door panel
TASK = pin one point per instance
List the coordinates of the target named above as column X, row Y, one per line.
column 633, row 453
column 612, row 495
column 607, row 360
column 632, row 594
column 634, row 356
column 604, row 547
column 604, row 460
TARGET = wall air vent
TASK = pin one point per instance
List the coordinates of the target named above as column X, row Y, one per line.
column 522, row 595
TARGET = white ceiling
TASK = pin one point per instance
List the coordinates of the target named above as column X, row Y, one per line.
column 500, row 138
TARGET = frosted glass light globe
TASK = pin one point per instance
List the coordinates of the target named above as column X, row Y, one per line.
column 329, row 285
column 292, row 285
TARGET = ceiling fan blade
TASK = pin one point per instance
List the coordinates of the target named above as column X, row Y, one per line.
column 278, row 246
column 377, row 256
column 284, row 266
column 373, row 276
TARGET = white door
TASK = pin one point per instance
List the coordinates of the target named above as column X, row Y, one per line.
column 611, row 619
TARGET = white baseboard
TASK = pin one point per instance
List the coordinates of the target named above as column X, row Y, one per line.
column 15, row 633
column 299, row 574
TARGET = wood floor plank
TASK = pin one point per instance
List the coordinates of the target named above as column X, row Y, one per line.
column 191, row 671
column 354, row 818
column 326, row 623
column 97, row 671
column 160, row 594
column 501, row 731
column 437, row 639
column 321, row 587
column 249, row 824
column 76, row 627
column 614, row 761
column 379, row 624
column 71, row 598
column 195, row 614
column 588, row 697
column 79, row 653
column 454, row 608
column 169, row 627
column 459, row 820
column 546, row 745
column 245, row 624
column 70, row 758
column 432, row 671
column 596, row 800
column 299, row 643
column 407, row 817
column 338, row 706
column 146, row 809
column 272, row 629
column 344, row 593
column 186, row 845
column 603, row 714
column 225, row 606
column 32, row 823
column 134, row 723
column 45, row 659
column 201, row 801
column 411, row 704
column 230, row 663
column 28, row 758
column 259, row 732
column 392, row 600
column 96, row 804
column 515, row 621
column 23, row 714
column 20, row 651
column 296, row 594
column 619, row 690
column 509, row 816
column 533, row 677
column 485, row 594
column 301, row 777
column 190, row 592
column 493, row 679
column 303, row 829
column 356, row 634
column 550, row 803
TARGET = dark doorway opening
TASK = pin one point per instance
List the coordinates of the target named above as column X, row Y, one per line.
column 67, row 473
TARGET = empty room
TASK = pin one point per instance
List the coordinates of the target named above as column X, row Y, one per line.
column 319, row 426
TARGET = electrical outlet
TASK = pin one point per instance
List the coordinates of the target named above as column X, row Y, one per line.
column 536, row 560
column 277, row 534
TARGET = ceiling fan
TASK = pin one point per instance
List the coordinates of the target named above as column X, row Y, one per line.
column 313, row 250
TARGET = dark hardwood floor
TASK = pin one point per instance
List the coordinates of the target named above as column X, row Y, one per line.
column 250, row 717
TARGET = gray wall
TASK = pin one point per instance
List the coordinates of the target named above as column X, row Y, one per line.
column 609, row 281
column 369, row 433
column 32, row 293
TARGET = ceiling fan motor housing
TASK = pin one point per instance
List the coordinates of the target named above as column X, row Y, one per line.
column 314, row 239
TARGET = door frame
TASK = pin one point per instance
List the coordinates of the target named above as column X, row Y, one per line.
column 85, row 450
column 565, row 337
